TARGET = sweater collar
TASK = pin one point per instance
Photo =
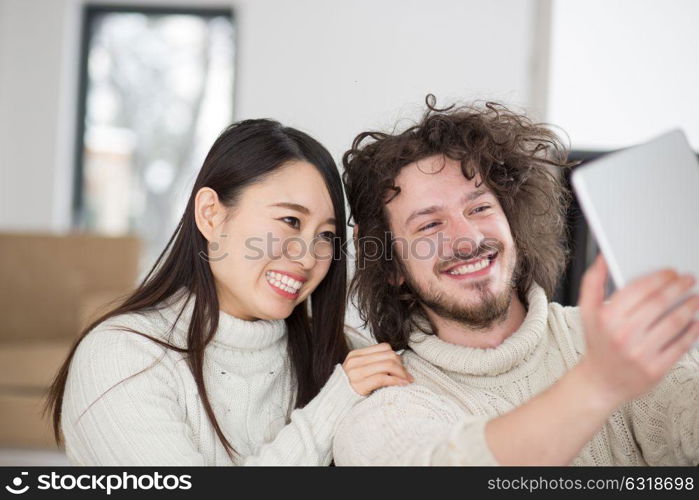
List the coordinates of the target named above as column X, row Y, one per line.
column 232, row 332
column 514, row 350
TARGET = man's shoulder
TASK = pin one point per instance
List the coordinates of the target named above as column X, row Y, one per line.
column 415, row 400
column 421, row 369
column 565, row 323
column 411, row 359
column 358, row 339
column 570, row 314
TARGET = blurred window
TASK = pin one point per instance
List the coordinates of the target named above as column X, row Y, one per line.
column 156, row 90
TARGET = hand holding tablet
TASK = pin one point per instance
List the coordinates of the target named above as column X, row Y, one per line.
column 632, row 342
column 642, row 205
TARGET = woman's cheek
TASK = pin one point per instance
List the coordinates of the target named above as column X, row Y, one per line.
column 319, row 273
column 274, row 244
column 323, row 269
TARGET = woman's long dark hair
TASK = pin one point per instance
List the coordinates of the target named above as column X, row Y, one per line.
column 245, row 153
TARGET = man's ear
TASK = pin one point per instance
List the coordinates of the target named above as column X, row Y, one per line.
column 209, row 212
column 355, row 233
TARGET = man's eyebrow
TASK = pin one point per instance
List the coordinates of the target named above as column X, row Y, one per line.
column 475, row 194
column 301, row 209
column 424, row 211
column 433, row 208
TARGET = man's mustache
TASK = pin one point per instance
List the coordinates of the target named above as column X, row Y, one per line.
column 487, row 246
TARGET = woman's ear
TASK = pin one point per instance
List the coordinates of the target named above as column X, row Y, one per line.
column 208, row 212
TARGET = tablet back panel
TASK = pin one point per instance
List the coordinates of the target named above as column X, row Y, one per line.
column 642, row 204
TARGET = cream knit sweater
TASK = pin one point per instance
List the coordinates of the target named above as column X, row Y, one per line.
column 440, row 419
column 129, row 401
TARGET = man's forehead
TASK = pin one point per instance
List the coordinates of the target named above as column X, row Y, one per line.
column 435, row 178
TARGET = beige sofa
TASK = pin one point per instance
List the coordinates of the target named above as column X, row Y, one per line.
column 51, row 286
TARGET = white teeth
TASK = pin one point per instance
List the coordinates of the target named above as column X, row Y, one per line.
column 283, row 282
column 471, row 268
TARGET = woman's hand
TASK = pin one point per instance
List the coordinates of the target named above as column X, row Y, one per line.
column 632, row 341
column 373, row 367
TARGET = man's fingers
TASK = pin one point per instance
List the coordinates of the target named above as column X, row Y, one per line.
column 662, row 333
column 592, row 287
column 624, row 301
column 675, row 350
column 653, row 308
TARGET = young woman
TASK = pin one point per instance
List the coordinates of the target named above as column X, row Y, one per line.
column 231, row 350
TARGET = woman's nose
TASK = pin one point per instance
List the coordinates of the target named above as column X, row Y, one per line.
column 301, row 251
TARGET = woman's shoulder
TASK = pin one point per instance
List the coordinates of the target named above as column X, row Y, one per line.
column 116, row 364
column 117, row 347
column 128, row 343
column 124, row 333
column 165, row 322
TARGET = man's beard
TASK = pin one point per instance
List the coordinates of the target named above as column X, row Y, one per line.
column 488, row 311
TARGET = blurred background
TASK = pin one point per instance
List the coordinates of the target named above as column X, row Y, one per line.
column 107, row 110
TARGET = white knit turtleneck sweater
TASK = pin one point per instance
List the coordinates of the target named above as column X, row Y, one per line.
column 440, row 419
column 129, row 401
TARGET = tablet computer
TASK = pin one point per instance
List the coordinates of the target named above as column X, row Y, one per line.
column 642, row 205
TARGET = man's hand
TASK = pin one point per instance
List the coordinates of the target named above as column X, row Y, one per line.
column 632, row 341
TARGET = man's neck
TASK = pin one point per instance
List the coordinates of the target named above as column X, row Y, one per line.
column 458, row 333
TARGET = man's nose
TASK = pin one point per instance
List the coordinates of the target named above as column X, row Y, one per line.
column 464, row 237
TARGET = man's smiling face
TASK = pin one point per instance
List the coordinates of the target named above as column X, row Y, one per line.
column 454, row 242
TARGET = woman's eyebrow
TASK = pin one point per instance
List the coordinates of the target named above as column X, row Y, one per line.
column 300, row 209
column 292, row 206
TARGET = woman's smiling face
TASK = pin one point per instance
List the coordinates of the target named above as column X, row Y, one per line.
column 274, row 246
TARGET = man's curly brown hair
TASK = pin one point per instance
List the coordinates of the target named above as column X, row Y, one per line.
column 520, row 161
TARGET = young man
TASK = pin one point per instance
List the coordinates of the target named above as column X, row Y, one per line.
column 460, row 236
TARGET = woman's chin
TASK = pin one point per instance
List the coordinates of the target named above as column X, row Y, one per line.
column 281, row 311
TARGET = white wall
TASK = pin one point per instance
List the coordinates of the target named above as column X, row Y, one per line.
column 624, row 70
column 330, row 67
column 335, row 68
column 37, row 56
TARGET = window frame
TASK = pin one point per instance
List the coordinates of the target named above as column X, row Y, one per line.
column 89, row 13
